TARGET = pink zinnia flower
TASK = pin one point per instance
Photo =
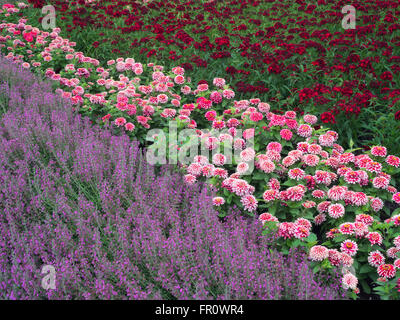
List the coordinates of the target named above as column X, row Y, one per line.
column 274, row 146
column 267, row 217
column 336, row 210
column 242, row 168
column 396, row 242
column 376, row 204
column 296, row 174
column 208, row 170
column 393, row 161
column 247, row 154
column 346, row 228
column 273, row 183
column 248, row 133
column 311, row 160
column 375, row 238
column 239, row 144
column 216, row 97
column 228, row 94
column 319, row 218
column 120, row 121
column 334, row 257
column 270, row 195
column 286, row 134
column 323, row 206
column 267, row 166
column 304, row 130
column 318, row 253
column 219, row 172
column 219, row 159
column 240, row 187
column 380, row 182
column 396, row 197
column 288, row 161
column 346, row 259
column 387, row 271
column 219, row 82
column 218, row 124
column 365, row 218
column 300, row 231
column 263, row 107
column 311, row 119
column 378, row 151
column 349, row 247
column 218, row 201
column 249, row 202
column 392, row 252
column 349, row 281
column 190, row 179
column 359, row 199
column 256, row 116
column 129, row 126
column 375, row 258
column 319, row 194
column 195, row 169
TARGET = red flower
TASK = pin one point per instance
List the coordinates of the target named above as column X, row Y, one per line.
column 387, row 75
column 106, row 117
column 29, row 36
column 328, row 117
column 397, row 115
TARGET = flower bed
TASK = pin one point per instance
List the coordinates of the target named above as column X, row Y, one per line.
column 78, row 198
column 296, row 55
column 342, row 205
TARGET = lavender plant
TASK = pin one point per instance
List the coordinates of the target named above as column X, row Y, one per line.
column 78, row 198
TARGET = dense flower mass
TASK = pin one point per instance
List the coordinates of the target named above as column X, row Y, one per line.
column 307, row 189
column 78, row 198
column 261, row 47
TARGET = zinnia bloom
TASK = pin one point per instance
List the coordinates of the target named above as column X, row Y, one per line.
column 304, row 130
column 396, row 197
column 218, row 201
column 266, row 216
column 190, row 179
column 349, row 247
column 387, row 271
column 375, row 238
column 349, row 281
column 375, row 258
column 378, row 151
column 336, row 210
column 396, row 242
column 120, row 121
column 318, row 253
column 129, row 126
column 249, row 203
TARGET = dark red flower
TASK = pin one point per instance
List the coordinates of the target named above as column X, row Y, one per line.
column 387, row 75
column 328, row 117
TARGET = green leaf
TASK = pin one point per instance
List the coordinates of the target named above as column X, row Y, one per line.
column 312, row 237
column 366, row 269
column 365, row 286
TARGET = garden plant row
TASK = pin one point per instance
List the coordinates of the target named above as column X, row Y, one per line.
column 294, row 54
column 306, row 189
